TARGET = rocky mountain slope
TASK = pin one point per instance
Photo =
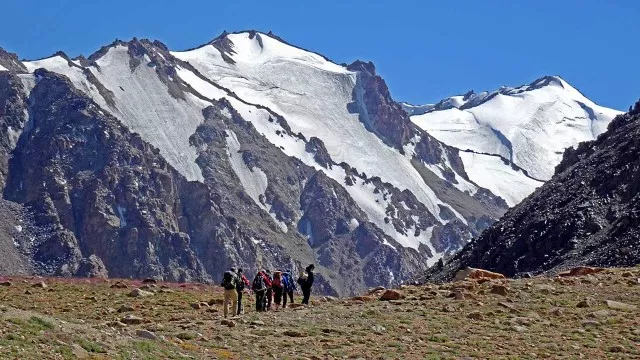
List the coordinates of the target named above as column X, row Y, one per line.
column 528, row 126
column 248, row 151
column 587, row 214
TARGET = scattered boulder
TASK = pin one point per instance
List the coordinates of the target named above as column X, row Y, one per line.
column 500, row 290
column 391, row 295
column 363, row 298
column 145, row 334
column 627, row 274
column 131, row 320
column 590, row 323
column 616, row 305
column 580, row 271
column 6, row 283
column 196, row 306
column 257, row 323
column 330, row 299
column 509, row 306
column 557, row 312
column 476, row 274
column 140, row 293
column 149, row 281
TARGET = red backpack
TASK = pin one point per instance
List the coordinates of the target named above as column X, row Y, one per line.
column 277, row 282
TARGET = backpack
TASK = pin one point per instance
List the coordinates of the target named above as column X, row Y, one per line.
column 302, row 280
column 229, row 280
column 277, row 282
column 242, row 282
column 258, row 283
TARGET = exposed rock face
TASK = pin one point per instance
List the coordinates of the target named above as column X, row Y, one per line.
column 587, row 214
column 104, row 191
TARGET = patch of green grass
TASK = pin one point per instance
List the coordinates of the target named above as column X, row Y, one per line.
column 16, row 321
column 90, row 346
column 40, row 323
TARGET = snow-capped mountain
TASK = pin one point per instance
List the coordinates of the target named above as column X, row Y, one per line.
column 247, row 151
column 530, row 126
column 587, row 214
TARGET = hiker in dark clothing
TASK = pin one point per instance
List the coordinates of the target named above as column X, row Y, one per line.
column 306, row 284
column 269, row 294
column 229, row 283
column 259, row 288
column 289, row 286
column 240, row 286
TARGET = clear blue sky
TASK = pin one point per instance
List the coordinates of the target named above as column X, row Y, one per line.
column 425, row 50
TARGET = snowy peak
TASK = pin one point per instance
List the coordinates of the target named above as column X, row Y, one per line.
column 529, row 126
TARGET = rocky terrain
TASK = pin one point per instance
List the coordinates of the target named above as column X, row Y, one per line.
column 592, row 316
column 587, row 214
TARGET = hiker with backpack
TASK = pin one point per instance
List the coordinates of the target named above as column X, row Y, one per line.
column 289, row 286
column 259, row 287
column 306, row 282
column 240, row 286
column 269, row 294
column 277, row 287
column 229, row 283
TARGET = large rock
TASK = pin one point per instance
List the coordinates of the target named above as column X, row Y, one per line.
column 391, row 295
column 476, row 274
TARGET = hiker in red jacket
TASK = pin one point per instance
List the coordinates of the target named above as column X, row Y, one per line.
column 277, row 286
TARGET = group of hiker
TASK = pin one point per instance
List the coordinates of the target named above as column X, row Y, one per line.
column 272, row 290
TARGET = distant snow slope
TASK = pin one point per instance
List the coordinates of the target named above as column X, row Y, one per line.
column 530, row 125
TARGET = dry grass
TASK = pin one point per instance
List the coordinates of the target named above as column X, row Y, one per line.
column 538, row 318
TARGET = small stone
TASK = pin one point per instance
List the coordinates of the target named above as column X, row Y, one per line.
column 458, row 294
column 378, row 329
column 79, row 352
column 599, row 314
column 6, row 283
column 590, row 323
column 294, row 333
column 448, row 308
column 132, row 320
column 391, row 295
column 585, row 303
column 119, row 285
column 125, row 308
column 40, row 285
column 473, row 273
column 229, row 323
column 475, row 315
column 520, row 328
column 257, row 323
column 196, row 306
column 500, row 290
column 140, row 293
column 556, row 312
column 145, row 334
column 116, row 324
column 616, row 348
column 616, row 305
column 627, row 274
column 149, row 281
column 511, row 308
column 331, row 298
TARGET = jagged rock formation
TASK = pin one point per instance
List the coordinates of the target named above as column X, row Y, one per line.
column 587, row 214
